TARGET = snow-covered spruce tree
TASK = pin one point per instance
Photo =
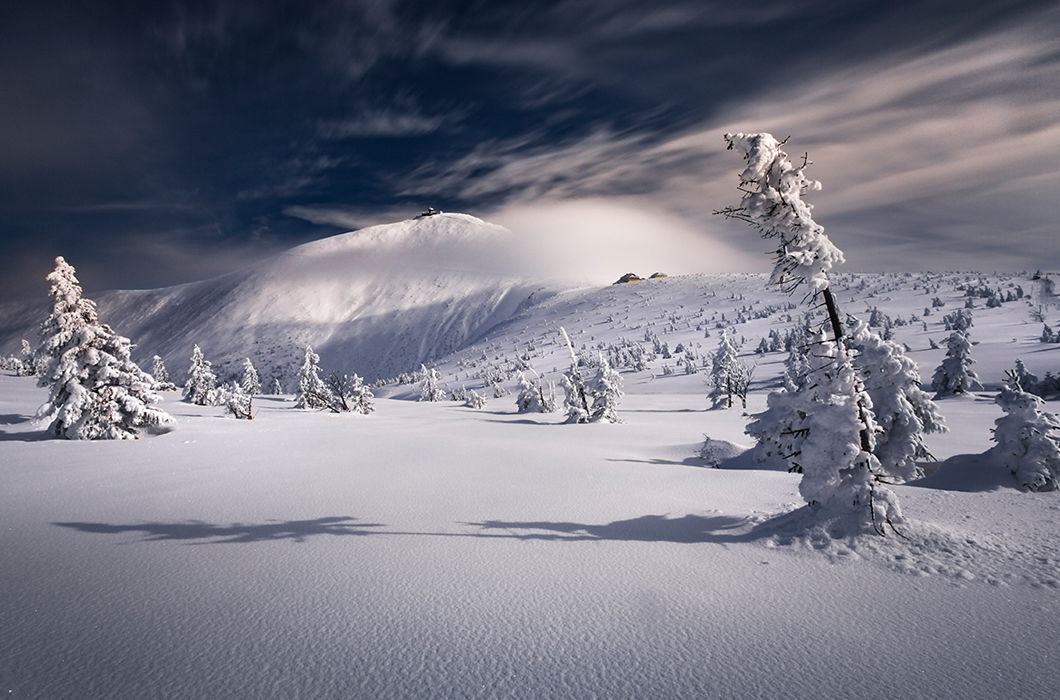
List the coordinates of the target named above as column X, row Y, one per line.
column 904, row 412
column 312, row 392
column 95, row 390
column 277, row 388
column 837, row 468
column 840, row 474
column 250, row 381
column 237, row 401
column 431, row 385
column 606, row 390
column 31, row 363
column 1028, row 440
column 777, row 430
column 161, row 375
column 535, row 395
column 955, row 374
column 475, row 400
column 201, row 385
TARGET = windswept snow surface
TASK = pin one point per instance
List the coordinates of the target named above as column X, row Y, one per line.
column 430, row 550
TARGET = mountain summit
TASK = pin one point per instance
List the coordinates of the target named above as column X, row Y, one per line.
column 377, row 301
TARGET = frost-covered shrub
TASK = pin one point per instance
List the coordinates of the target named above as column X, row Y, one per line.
column 95, row 390
column 955, row 374
column 1028, row 440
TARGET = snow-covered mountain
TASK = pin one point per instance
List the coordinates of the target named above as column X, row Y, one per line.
column 377, row 301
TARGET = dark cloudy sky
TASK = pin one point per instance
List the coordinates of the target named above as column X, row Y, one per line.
column 160, row 142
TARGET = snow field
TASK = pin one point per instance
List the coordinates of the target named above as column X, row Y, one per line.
column 429, row 550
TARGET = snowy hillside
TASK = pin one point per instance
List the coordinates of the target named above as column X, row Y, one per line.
column 686, row 313
column 434, row 550
column 376, row 301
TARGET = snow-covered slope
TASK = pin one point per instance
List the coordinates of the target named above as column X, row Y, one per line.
column 687, row 312
column 376, row 301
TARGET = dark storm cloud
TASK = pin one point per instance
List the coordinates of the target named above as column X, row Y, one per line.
column 159, row 134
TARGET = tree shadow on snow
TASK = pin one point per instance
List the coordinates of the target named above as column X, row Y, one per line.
column 969, row 473
column 198, row 532
column 21, row 435
column 784, row 528
column 687, row 529
column 519, row 421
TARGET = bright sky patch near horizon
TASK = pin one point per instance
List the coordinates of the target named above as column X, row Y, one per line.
column 153, row 144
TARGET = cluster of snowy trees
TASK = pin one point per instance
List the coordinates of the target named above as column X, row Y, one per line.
column 339, row 393
column 852, row 415
column 824, row 426
column 730, row 378
column 593, row 398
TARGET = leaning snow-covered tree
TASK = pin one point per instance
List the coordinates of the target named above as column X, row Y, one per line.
column 576, row 402
column 250, row 382
column 312, row 392
column 161, row 375
column 1028, row 440
column 95, row 390
column 904, row 412
column 201, row 385
column 839, row 471
column 955, row 374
